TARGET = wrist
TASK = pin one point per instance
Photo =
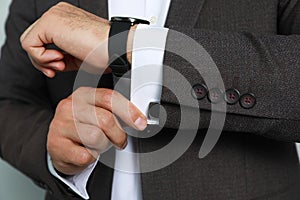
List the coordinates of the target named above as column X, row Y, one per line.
column 97, row 52
column 130, row 43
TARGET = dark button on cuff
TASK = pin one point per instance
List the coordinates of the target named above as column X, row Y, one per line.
column 199, row 91
column 232, row 96
column 215, row 95
column 247, row 101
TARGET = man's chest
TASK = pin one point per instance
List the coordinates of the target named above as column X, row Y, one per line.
column 254, row 16
column 222, row 15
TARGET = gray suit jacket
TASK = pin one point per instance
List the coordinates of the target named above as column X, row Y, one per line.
column 256, row 46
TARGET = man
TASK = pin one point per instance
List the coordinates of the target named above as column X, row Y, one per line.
column 243, row 38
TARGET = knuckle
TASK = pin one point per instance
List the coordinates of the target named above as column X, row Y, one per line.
column 105, row 143
column 84, row 159
column 24, row 43
column 66, row 7
column 59, row 165
column 96, row 140
column 120, row 140
column 54, row 147
column 54, row 126
column 82, row 90
column 51, row 143
column 53, row 134
column 106, row 96
column 95, row 137
column 49, row 14
column 107, row 121
column 64, row 105
column 62, row 4
column 90, row 138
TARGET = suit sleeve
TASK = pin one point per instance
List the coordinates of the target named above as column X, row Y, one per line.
column 24, row 105
column 267, row 66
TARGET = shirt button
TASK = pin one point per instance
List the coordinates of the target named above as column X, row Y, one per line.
column 247, row 100
column 153, row 20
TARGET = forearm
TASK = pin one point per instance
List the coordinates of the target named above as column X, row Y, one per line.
column 267, row 66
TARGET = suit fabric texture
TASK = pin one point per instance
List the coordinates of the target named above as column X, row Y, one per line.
column 256, row 46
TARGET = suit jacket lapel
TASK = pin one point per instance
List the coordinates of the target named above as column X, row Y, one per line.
column 184, row 13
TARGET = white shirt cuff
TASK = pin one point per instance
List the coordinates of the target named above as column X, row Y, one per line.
column 77, row 182
column 147, row 64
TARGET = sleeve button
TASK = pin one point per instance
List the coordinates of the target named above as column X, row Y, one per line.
column 232, row 96
column 247, row 100
column 215, row 95
column 199, row 91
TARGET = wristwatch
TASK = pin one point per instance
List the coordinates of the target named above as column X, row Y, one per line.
column 119, row 28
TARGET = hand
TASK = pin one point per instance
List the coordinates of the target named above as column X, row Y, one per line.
column 73, row 30
column 85, row 125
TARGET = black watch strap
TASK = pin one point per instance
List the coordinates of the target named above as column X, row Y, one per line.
column 117, row 45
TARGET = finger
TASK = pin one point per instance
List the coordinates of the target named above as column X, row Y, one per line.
column 47, row 71
column 105, row 121
column 55, row 65
column 58, row 65
column 112, row 128
column 73, row 153
column 49, row 63
column 49, row 55
column 115, row 103
column 55, row 60
column 33, row 41
column 66, row 168
column 41, row 55
column 90, row 136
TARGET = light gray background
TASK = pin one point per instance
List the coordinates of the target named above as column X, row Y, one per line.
column 14, row 185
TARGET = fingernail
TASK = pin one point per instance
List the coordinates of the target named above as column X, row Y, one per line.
column 55, row 68
column 125, row 144
column 123, row 147
column 46, row 73
column 140, row 123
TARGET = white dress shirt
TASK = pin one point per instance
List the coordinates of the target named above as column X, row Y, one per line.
column 127, row 185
